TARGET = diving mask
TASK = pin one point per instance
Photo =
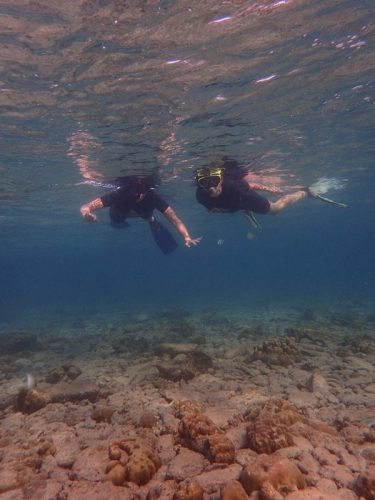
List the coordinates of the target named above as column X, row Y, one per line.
column 207, row 178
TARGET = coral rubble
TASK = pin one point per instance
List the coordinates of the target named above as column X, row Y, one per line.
column 277, row 352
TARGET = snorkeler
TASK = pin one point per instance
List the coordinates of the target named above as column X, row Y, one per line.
column 226, row 188
column 135, row 196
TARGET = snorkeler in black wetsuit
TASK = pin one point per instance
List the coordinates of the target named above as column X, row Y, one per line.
column 136, row 196
column 221, row 189
column 235, row 195
column 127, row 202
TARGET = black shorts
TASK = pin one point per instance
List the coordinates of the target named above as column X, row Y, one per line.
column 119, row 216
column 116, row 215
column 255, row 202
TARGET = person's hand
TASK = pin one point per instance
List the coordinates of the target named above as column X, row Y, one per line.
column 88, row 216
column 189, row 242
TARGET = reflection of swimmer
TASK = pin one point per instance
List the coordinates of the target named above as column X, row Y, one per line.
column 136, row 196
column 226, row 188
column 83, row 147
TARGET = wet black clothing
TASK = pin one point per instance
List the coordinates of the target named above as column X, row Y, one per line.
column 236, row 195
column 122, row 203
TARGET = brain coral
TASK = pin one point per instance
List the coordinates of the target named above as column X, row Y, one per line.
column 142, row 465
column 194, row 426
column 183, row 407
column 266, row 435
column 189, row 490
column 281, row 411
column 201, row 434
column 220, row 449
column 272, row 475
column 132, row 460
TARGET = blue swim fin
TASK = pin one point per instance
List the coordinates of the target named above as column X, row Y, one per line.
column 162, row 237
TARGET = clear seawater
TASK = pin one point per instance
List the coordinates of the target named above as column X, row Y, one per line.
column 116, row 87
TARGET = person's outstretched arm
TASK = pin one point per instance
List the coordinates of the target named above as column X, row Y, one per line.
column 88, row 209
column 181, row 228
column 267, row 189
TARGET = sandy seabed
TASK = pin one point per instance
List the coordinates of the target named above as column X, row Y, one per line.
column 191, row 405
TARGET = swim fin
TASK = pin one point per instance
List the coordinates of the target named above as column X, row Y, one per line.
column 313, row 194
column 252, row 219
column 328, row 200
column 162, row 237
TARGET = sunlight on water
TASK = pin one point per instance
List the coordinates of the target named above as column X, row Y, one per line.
column 94, row 85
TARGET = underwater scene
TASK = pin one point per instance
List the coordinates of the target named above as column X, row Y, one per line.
column 187, row 306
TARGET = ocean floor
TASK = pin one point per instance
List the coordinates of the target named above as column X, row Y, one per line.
column 190, row 405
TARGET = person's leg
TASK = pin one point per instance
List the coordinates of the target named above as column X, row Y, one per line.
column 285, row 201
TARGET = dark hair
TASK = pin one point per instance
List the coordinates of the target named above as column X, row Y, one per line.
column 138, row 183
column 231, row 167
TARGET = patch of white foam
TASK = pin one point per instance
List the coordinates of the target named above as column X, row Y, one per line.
column 325, row 184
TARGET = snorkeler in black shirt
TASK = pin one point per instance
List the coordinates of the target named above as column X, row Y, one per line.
column 228, row 187
column 225, row 188
column 136, row 196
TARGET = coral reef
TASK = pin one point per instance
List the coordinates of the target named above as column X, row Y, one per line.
column 16, row 342
column 233, row 490
column 220, row 449
column 272, row 475
column 315, row 336
column 194, row 430
column 174, row 349
column 358, row 344
column 199, row 433
column 102, row 414
column 31, row 400
column 174, row 371
column 266, row 435
column 276, row 428
column 277, row 352
column 185, row 365
column 147, row 420
column 132, row 460
column 183, row 407
column 365, row 484
column 67, row 372
column 189, row 490
column 279, row 410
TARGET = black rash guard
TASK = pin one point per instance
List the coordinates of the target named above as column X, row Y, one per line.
column 123, row 203
column 235, row 195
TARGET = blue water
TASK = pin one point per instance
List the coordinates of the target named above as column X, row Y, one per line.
column 92, row 87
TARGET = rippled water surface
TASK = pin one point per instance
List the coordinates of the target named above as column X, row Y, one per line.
column 110, row 86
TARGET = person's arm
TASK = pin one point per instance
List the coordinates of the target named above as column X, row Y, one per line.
column 180, row 226
column 267, row 189
column 88, row 209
